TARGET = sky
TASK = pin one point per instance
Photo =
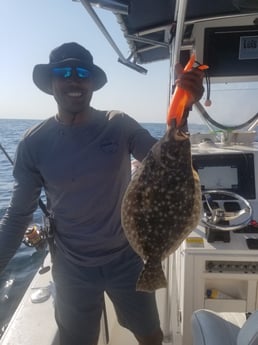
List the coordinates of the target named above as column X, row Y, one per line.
column 30, row 29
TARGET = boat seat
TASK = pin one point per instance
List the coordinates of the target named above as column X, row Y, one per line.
column 220, row 328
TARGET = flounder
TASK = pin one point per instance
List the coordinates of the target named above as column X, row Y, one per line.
column 162, row 204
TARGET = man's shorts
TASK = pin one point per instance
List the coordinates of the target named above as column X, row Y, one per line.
column 80, row 298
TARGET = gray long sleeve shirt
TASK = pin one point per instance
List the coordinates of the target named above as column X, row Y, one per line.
column 84, row 170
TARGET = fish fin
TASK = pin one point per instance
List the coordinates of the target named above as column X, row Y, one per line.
column 151, row 278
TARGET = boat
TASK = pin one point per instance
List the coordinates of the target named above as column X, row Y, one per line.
column 216, row 267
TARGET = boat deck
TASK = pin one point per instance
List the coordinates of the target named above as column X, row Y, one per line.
column 35, row 321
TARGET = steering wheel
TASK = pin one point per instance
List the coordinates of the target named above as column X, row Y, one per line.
column 214, row 217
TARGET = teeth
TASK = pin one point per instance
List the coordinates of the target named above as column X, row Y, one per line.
column 74, row 94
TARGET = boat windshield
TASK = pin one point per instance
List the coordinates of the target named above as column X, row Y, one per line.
column 232, row 104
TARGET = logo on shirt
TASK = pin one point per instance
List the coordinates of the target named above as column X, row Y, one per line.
column 109, row 146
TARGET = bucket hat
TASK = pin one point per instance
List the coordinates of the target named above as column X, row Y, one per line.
column 65, row 55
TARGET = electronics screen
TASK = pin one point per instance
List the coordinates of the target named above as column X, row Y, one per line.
column 231, row 51
column 232, row 172
column 224, row 177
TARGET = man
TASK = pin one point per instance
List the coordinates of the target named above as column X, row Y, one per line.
column 82, row 159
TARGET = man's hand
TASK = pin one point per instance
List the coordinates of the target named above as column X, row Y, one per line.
column 191, row 81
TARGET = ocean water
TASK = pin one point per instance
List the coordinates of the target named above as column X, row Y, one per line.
column 21, row 269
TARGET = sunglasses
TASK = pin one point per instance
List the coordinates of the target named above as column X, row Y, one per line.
column 66, row 72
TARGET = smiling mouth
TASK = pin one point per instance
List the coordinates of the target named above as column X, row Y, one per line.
column 74, row 94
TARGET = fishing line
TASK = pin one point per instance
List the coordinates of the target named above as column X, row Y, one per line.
column 6, row 154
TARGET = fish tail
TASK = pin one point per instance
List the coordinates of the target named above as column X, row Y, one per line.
column 151, row 278
column 179, row 99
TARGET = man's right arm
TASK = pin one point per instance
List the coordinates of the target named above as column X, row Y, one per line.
column 24, row 201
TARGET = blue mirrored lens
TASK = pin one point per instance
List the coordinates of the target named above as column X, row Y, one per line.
column 66, row 72
column 82, row 72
